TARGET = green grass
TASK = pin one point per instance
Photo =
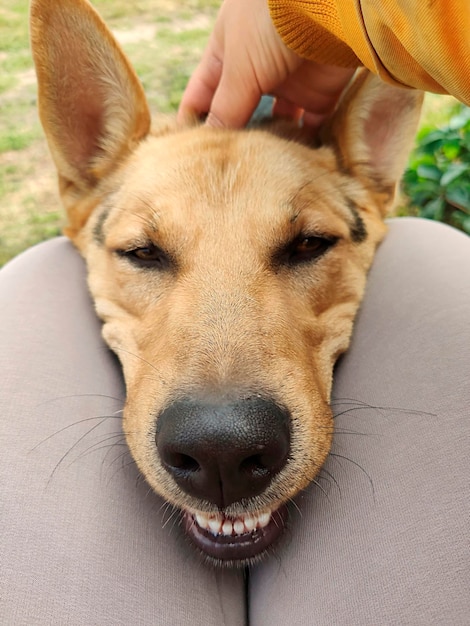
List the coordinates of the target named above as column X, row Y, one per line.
column 14, row 26
column 33, row 227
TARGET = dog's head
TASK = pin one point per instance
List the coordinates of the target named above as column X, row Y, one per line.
column 227, row 267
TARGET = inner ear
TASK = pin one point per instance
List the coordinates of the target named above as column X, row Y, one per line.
column 373, row 129
column 92, row 106
column 81, row 121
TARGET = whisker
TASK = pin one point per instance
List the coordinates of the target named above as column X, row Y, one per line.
column 125, row 453
column 329, row 476
column 137, row 356
column 337, row 456
column 171, row 517
column 99, row 446
column 317, row 484
column 69, row 451
column 130, row 463
column 343, row 431
column 356, row 408
column 358, row 404
column 82, row 421
column 296, row 506
column 80, row 395
column 347, row 400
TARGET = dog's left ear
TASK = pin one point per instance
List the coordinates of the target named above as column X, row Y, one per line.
column 373, row 131
column 91, row 103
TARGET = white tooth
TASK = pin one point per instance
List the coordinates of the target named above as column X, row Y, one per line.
column 238, row 527
column 263, row 519
column 215, row 525
column 202, row 520
column 227, row 527
column 250, row 524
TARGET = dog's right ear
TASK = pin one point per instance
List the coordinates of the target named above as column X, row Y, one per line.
column 372, row 132
column 91, row 103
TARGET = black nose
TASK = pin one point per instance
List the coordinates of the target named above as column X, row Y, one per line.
column 223, row 452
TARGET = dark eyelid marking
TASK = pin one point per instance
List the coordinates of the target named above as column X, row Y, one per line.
column 98, row 234
column 292, row 253
column 357, row 229
column 153, row 258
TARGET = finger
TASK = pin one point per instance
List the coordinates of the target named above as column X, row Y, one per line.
column 198, row 95
column 315, row 88
column 287, row 109
column 235, row 99
column 313, row 121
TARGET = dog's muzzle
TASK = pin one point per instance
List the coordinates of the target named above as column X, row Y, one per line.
column 221, row 454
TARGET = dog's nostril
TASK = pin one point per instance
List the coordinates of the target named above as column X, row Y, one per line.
column 183, row 462
column 255, row 466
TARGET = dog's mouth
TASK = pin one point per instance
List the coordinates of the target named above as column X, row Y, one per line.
column 235, row 541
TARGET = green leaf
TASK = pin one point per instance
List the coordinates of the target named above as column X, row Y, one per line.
column 430, row 147
column 434, row 209
column 460, row 120
column 429, row 172
column 459, row 197
column 465, row 144
column 466, row 225
column 427, row 135
column 451, row 149
column 437, row 180
column 453, row 172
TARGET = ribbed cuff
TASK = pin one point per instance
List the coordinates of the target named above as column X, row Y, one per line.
column 313, row 30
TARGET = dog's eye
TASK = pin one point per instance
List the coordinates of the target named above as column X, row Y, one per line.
column 146, row 256
column 304, row 249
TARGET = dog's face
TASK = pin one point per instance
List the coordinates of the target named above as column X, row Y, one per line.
column 227, row 267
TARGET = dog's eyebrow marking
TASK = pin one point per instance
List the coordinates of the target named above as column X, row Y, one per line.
column 98, row 235
column 358, row 228
column 291, row 204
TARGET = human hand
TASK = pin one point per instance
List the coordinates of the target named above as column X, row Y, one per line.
column 246, row 58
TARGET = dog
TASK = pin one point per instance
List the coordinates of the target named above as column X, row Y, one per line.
column 227, row 268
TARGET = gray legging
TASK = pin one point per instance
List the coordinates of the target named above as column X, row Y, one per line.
column 386, row 540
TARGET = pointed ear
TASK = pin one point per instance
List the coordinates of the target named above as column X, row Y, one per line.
column 373, row 131
column 91, row 103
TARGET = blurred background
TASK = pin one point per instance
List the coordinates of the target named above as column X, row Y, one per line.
column 164, row 40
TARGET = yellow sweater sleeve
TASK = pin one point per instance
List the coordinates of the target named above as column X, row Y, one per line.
column 418, row 43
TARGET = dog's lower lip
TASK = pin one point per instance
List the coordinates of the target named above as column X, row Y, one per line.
column 236, row 548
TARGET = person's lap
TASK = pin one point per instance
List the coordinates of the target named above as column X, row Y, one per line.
column 85, row 542
column 382, row 538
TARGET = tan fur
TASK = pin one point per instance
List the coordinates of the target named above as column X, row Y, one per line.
column 226, row 318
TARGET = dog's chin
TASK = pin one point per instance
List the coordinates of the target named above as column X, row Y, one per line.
column 235, row 542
